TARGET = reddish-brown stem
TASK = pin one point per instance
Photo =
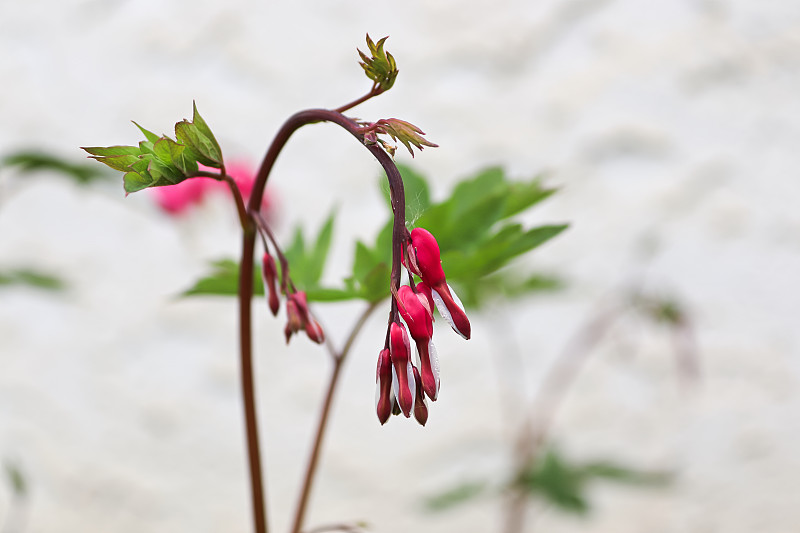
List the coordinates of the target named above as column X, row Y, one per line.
column 295, row 122
column 374, row 91
column 248, row 388
column 244, row 220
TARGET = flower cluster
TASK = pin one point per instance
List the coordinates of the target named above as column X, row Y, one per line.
column 402, row 386
column 298, row 316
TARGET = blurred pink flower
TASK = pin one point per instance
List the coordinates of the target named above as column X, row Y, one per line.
column 178, row 199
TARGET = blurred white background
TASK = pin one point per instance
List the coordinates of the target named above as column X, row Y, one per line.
column 671, row 126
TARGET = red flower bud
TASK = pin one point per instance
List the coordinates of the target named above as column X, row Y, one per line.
column 420, row 406
column 403, row 375
column 384, row 398
column 420, row 324
column 269, row 273
column 299, row 319
column 314, row 331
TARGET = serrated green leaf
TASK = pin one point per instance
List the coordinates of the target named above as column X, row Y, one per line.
column 215, row 152
column 163, row 174
column 189, row 135
column 112, row 150
column 149, row 135
column 119, row 162
column 161, row 150
column 146, row 148
column 134, row 181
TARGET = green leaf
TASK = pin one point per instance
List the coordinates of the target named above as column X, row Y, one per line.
column 319, row 254
column 204, row 130
column 379, row 66
column 16, row 479
column 134, row 181
column 564, row 483
column 31, row 278
column 224, row 280
column 455, row 496
column 149, row 135
column 113, row 150
column 416, row 191
column 29, row 161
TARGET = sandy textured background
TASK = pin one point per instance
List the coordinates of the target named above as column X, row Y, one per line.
column 672, row 126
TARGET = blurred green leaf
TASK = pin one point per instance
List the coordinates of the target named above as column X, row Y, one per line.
column 564, row 484
column 16, row 479
column 224, row 280
column 455, row 496
column 308, row 263
column 29, row 161
column 417, row 193
column 31, row 278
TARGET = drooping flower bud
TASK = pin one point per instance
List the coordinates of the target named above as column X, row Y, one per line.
column 314, row 331
column 384, row 397
column 402, row 371
column 269, row 274
column 428, row 259
column 420, row 405
column 298, row 318
column 420, row 324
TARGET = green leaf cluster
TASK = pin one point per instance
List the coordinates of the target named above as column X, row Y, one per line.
column 159, row 161
column 565, row 484
column 379, row 66
column 475, row 227
column 405, row 132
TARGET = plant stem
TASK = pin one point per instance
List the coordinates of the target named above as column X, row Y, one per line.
column 374, row 91
column 552, row 392
column 248, row 389
column 313, row 460
column 291, row 125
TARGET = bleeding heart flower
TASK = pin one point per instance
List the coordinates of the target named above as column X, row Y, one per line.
column 417, row 317
column 427, row 260
column 403, row 382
